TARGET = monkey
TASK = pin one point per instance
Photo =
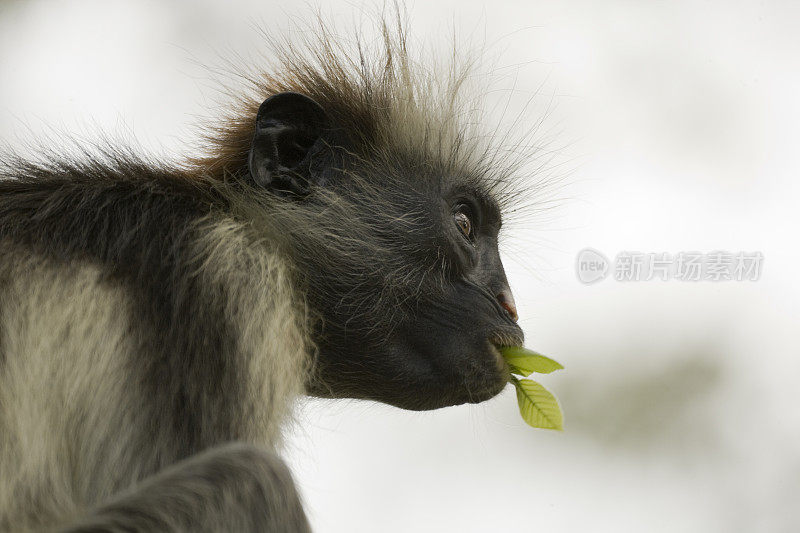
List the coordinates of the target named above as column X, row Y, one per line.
column 338, row 238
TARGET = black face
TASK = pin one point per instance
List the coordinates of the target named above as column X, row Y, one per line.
column 416, row 321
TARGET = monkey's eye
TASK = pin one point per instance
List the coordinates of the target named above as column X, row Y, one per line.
column 463, row 221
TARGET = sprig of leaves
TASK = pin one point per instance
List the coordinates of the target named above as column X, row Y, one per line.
column 538, row 407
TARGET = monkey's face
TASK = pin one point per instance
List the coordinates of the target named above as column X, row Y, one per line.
column 446, row 350
column 400, row 263
column 425, row 333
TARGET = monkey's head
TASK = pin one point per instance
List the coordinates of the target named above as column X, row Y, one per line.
column 388, row 209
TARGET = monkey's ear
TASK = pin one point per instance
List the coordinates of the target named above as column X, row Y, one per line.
column 287, row 127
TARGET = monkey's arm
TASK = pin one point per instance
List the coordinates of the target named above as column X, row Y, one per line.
column 235, row 487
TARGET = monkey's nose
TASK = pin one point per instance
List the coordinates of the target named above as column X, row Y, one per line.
column 506, row 300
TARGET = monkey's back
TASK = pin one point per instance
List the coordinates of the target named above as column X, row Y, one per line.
column 67, row 390
column 139, row 324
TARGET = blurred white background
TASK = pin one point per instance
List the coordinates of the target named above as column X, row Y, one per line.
column 680, row 122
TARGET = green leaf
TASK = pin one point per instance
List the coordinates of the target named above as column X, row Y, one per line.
column 524, row 362
column 538, row 407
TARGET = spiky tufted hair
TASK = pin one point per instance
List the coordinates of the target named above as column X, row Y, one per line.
column 392, row 106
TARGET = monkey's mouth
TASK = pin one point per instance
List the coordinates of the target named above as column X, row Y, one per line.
column 497, row 341
column 485, row 379
column 488, row 383
column 505, row 338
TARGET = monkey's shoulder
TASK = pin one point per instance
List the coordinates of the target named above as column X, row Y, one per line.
column 122, row 214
